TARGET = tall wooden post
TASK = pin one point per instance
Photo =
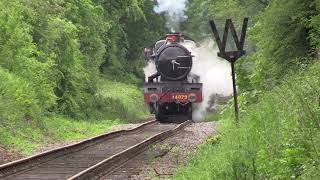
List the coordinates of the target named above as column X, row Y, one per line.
column 231, row 56
column 235, row 93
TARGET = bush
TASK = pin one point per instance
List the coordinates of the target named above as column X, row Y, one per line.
column 18, row 100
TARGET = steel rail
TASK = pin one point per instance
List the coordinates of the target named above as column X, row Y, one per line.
column 32, row 161
column 108, row 165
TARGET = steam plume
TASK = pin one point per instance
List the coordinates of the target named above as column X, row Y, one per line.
column 174, row 11
column 149, row 70
column 214, row 73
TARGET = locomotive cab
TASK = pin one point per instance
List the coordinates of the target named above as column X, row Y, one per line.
column 176, row 89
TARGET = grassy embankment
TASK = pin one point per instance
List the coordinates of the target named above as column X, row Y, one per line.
column 278, row 136
column 125, row 104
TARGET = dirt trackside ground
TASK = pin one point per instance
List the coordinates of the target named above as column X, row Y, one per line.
column 7, row 156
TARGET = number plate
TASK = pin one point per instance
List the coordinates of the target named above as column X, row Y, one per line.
column 180, row 97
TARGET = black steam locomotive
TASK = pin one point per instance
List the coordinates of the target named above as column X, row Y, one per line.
column 172, row 90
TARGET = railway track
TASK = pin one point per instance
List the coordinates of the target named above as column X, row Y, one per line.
column 92, row 158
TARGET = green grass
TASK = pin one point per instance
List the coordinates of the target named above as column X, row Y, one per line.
column 27, row 138
column 121, row 103
column 24, row 140
column 126, row 99
column 278, row 137
column 67, row 129
column 212, row 116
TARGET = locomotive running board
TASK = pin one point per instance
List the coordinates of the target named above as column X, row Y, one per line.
column 174, row 86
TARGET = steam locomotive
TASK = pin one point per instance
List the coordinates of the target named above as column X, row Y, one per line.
column 172, row 90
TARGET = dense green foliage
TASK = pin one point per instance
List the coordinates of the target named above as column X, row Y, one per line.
column 58, row 57
column 57, row 50
column 278, row 134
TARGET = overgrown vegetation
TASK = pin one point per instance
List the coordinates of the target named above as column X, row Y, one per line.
column 278, row 134
column 61, row 58
column 277, row 138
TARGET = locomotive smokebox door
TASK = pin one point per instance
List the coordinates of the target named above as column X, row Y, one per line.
column 174, row 62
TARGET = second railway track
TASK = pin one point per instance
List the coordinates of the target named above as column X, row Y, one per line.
column 91, row 158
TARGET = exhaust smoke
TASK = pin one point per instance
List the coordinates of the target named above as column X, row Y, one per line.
column 174, row 12
column 149, row 70
column 215, row 74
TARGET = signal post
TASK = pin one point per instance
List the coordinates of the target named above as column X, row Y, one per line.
column 231, row 56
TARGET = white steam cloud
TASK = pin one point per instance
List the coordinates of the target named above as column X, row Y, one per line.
column 174, row 11
column 215, row 74
column 149, row 70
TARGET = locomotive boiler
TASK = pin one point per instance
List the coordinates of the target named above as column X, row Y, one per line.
column 173, row 89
